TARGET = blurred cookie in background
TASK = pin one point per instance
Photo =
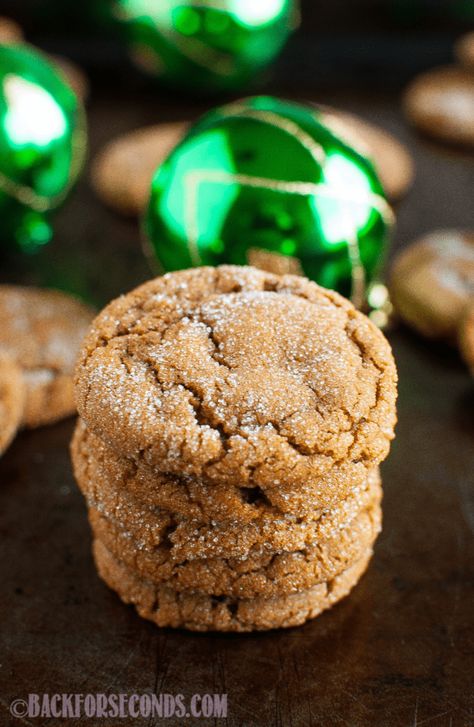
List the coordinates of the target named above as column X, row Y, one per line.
column 123, row 170
column 41, row 330
column 441, row 103
column 391, row 158
column 466, row 336
column 12, row 398
column 464, row 51
column 10, row 31
column 432, row 282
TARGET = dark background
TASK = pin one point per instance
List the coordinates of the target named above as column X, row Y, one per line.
column 399, row 651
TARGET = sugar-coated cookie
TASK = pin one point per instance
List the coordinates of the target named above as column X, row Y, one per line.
column 42, row 331
column 231, row 426
column 432, row 281
column 441, row 103
column 191, row 538
column 238, row 376
column 12, row 399
column 123, row 170
column 200, row 612
column 245, row 516
column 261, row 573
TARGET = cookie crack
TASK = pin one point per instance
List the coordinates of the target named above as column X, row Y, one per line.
column 217, row 355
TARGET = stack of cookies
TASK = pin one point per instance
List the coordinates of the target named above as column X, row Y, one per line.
column 232, row 424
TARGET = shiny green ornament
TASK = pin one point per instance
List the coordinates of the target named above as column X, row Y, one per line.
column 206, row 45
column 42, row 144
column 266, row 182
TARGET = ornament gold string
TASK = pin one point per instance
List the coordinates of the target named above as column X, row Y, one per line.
column 358, row 291
column 286, row 125
column 315, row 149
column 307, row 141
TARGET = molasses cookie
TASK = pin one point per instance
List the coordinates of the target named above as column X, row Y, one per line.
column 192, row 538
column 104, row 475
column 441, row 103
column 123, row 170
column 42, row 331
column 259, row 573
column 432, row 282
column 235, row 376
column 200, row 612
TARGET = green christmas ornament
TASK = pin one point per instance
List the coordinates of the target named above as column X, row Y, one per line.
column 266, row 182
column 42, row 144
column 206, row 45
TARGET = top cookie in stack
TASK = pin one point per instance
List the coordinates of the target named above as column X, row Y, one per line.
column 218, row 398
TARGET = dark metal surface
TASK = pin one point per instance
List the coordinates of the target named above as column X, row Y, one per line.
column 397, row 652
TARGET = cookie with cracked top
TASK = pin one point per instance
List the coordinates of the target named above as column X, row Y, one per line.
column 190, row 538
column 246, row 515
column 42, row 331
column 236, row 376
column 259, row 573
column 200, row 612
column 12, row 399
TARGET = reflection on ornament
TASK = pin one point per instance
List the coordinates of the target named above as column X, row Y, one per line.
column 42, row 144
column 248, row 12
column 206, row 45
column 268, row 176
column 380, row 305
column 33, row 116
